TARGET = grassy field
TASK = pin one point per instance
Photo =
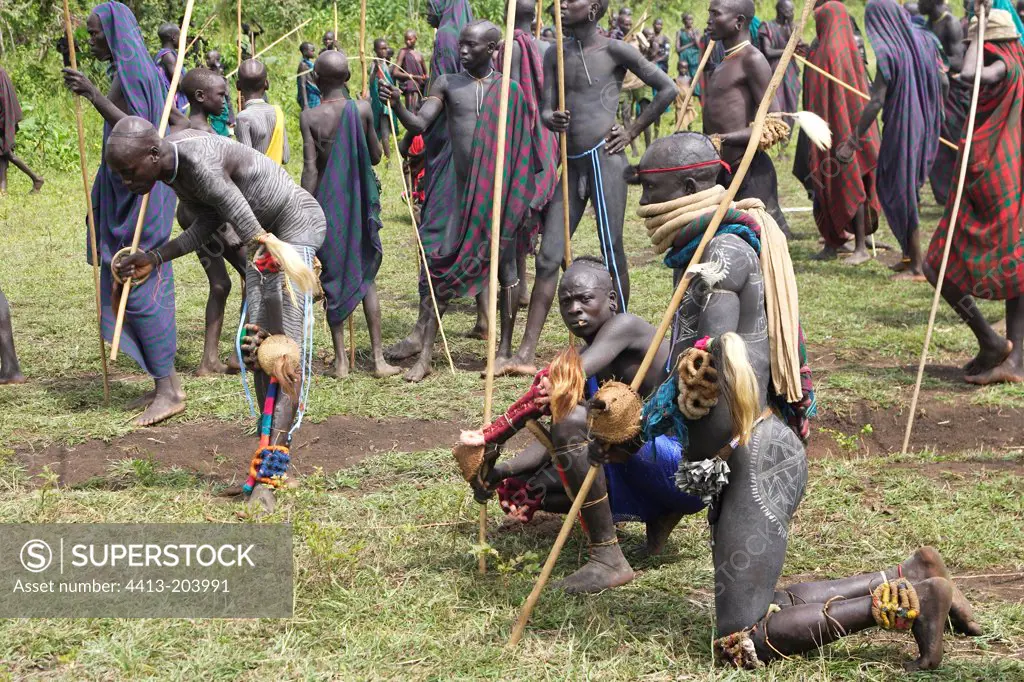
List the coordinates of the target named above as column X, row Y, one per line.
column 385, row 576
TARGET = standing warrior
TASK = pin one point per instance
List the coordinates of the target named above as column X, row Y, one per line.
column 165, row 58
column 845, row 200
column 339, row 149
column 220, row 181
column 772, row 37
column 222, row 122
column 379, row 71
column 10, row 115
column 149, row 335
column 733, row 92
column 470, row 100
column 661, row 46
column 307, row 93
column 907, row 91
column 410, row 71
column 259, row 124
column 985, row 259
column 330, row 42
column 595, row 68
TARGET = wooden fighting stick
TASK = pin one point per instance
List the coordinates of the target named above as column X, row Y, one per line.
column 492, row 292
column 164, row 118
column 857, row 91
column 539, row 24
column 563, row 145
column 419, row 242
column 666, row 320
column 964, row 158
column 238, row 12
column 362, row 47
column 90, row 219
column 272, row 45
column 694, row 81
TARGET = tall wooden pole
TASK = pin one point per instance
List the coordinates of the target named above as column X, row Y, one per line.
column 539, row 21
column 666, row 320
column 161, row 129
column 966, row 155
column 238, row 12
column 362, row 47
column 563, row 147
column 90, row 219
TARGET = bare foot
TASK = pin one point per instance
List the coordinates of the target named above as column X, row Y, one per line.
column 988, row 358
column 926, row 563
column 37, row 185
column 858, row 257
column 1007, row 372
column 263, row 497
column 142, row 401
column 607, row 568
column 210, row 368
column 936, row 596
column 163, row 407
column 827, row 253
column 499, row 364
column 404, row 349
column 901, row 265
column 232, row 364
column 658, row 531
column 514, row 367
column 909, row 276
column 418, row 372
column 478, row 331
column 12, row 378
column 382, row 370
column 338, row 368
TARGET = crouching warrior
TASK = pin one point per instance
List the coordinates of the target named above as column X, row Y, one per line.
column 282, row 226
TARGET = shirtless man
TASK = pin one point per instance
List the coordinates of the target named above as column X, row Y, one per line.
column 340, row 132
column 307, row 93
column 410, row 71
column 462, row 97
column 205, row 91
column 732, row 96
column 10, row 115
column 259, row 124
column 221, row 181
column 169, row 34
column 379, row 71
column 595, row 67
column 330, row 43
column 662, row 46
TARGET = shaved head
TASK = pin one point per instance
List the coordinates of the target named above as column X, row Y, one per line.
column 744, row 7
column 675, row 151
column 252, row 75
column 198, row 79
column 133, row 153
column 589, row 269
column 168, row 31
column 331, row 68
column 484, row 29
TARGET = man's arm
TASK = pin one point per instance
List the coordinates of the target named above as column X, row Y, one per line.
column 310, row 175
column 397, row 72
column 286, row 153
column 167, row 62
column 372, row 141
column 79, row 84
column 302, row 84
column 242, row 134
column 432, row 106
column 990, row 73
column 550, row 95
column 517, row 62
column 764, row 40
column 952, row 36
column 629, row 57
column 844, row 153
column 615, row 336
column 759, row 74
column 422, row 78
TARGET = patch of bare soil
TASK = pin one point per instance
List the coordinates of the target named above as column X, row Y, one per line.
column 221, row 451
column 941, row 426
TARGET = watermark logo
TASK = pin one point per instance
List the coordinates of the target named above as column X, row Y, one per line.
column 36, row 556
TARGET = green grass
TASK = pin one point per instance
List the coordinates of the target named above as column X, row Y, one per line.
column 385, row 580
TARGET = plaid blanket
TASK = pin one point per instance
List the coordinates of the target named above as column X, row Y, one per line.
column 987, row 256
column 463, row 271
column 378, row 73
column 839, row 189
column 10, row 113
column 351, row 253
column 787, row 97
column 180, row 101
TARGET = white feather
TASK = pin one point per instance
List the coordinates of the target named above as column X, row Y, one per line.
column 815, row 128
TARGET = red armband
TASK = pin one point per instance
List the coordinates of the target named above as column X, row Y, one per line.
column 520, row 412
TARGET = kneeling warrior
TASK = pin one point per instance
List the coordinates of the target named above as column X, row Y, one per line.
column 282, row 225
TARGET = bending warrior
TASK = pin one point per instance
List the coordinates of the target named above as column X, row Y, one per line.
column 595, row 67
column 149, row 335
column 259, row 124
column 307, row 93
column 469, row 99
column 985, row 258
column 733, row 92
column 528, row 71
column 10, row 115
column 906, row 90
column 169, row 35
column 957, row 103
column 410, row 71
column 772, row 39
column 10, row 370
column 844, row 195
column 220, row 181
column 339, row 149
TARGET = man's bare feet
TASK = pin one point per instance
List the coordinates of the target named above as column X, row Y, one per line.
column 210, row 368
column 514, row 366
column 382, row 369
column 858, row 257
column 658, row 531
column 262, row 499
column 163, row 407
column 404, row 349
column 232, row 364
column 12, row 378
column 926, row 563
column 418, row 372
column 142, row 401
column 909, row 276
column 607, row 568
column 936, row 597
column 988, row 357
column 826, row 253
column 1007, row 372
column 37, row 185
column 479, row 331
column 900, row 265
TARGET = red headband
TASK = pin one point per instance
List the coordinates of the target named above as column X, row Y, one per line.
column 692, row 166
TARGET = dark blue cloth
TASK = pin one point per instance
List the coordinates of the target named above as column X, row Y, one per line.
column 644, row 488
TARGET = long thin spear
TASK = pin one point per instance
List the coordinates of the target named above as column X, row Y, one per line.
column 965, row 157
column 694, row 81
column 90, row 219
column 677, row 298
column 161, row 129
column 272, row 45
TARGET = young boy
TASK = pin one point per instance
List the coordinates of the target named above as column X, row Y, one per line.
column 411, row 72
column 308, row 94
